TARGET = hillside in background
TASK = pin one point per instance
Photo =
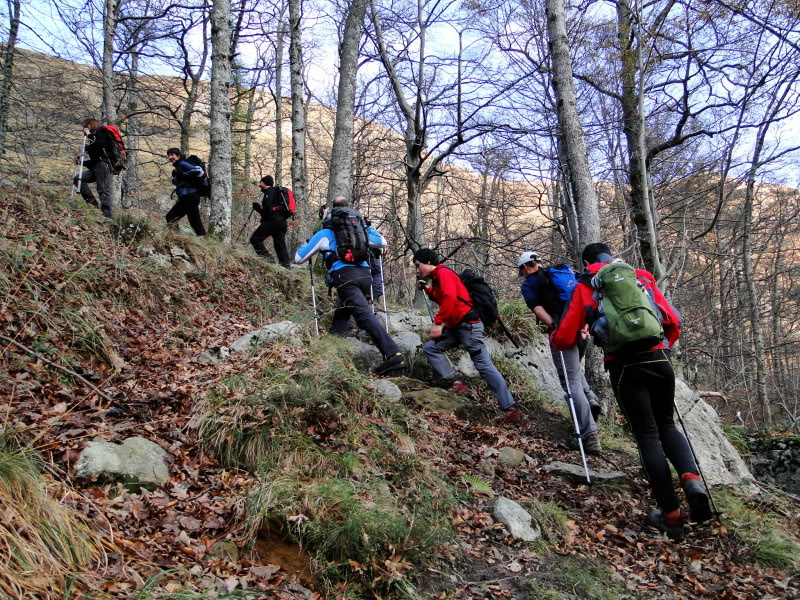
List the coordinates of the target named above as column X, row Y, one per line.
column 288, row 473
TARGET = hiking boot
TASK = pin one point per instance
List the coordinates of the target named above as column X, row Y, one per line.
column 390, row 364
column 460, row 388
column 591, row 444
column 657, row 519
column 511, row 415
column 696, row 497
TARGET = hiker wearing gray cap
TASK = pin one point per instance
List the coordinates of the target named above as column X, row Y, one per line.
column 546, row 291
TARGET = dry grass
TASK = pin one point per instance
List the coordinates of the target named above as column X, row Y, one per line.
column 46, row 544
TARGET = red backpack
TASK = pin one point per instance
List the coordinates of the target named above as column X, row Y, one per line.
column 289, row 206
column 119, row 151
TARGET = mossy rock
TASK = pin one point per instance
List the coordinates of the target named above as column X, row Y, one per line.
column 436, row 400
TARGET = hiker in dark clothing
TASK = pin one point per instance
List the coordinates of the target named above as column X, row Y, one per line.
column 100, row 147
column 186, row 179
column 644, row 385
column 273, row 224
column 352, row 281
column 375, row 269
column 458, row 323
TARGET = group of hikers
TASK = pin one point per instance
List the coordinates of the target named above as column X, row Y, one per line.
column 619, row 307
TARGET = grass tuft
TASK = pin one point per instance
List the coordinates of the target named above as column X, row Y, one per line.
column 519, row 320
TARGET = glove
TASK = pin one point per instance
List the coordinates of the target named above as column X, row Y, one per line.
column 256, row 207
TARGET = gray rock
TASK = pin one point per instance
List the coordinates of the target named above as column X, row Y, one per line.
column 516, row 519
column 436, row 400
column 720, row 461
column 409, row 343
column 215, row 355
column 510, row 457
column 577, row 474
column 408, row 321
column 285, row 330
column 136, row 462
column 225, row 550
column 487, row 468
column 364, row 354
column 389, row 391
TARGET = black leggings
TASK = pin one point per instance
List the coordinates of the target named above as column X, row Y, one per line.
column 187, row 206
column 644, row 385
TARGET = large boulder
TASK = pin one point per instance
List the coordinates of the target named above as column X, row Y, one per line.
column 720, row 461
column 284, row 330
column 136, row 462
column 436, row 400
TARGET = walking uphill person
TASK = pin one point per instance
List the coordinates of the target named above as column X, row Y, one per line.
column 458, row 323
column 97, row 168
column 345, row 241
column 375, row 267
column 637, row 326
column 188, row 179
column 546, row 292
column 273, row 223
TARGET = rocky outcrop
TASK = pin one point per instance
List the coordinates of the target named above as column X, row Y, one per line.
column 287, row 331
column 136, row 462
column 776, row 461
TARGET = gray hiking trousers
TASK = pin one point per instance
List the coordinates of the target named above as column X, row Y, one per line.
column 582, row 395
column 470, row 336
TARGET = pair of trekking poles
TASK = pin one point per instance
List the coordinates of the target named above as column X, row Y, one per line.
column 583, row 453
column 80, row 167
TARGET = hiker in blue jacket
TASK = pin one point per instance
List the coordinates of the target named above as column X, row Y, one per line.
column 186, row 179
column 352, row 281
column 544, row 302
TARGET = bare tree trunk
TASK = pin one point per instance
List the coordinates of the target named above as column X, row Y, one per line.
column 109, row 108
column 8, row 70
column 570, row 127
column 130, row 179
column 248, row 129
column 219, row 164
column 341, row 172
column 279, row 103
column 299, row 178
column 194, row 86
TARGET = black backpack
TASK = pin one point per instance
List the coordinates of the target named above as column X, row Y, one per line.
column 350, row 232
column 203, row 183
column 483, row 299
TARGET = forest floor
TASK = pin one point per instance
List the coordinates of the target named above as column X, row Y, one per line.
column 77, row 292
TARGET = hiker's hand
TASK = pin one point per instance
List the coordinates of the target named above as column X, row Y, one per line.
column 585, row 335
column 421, row 284
column 86, row 131
column 256, row 207
column 436, row 332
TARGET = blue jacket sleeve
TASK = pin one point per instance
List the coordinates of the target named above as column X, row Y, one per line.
column 376, row 239
column 530, row 291
column 319, row 242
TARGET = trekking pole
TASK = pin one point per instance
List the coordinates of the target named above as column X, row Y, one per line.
column 696, row 462
column 236, row 241
column 575, row 418
column 372, row 295
column 507, row 332
column 428, row 305
column 313, row 295
column 80, row 166
column 385, row 310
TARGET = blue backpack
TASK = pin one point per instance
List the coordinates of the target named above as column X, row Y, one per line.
column 560, row 281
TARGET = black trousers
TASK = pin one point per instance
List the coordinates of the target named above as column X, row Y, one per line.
column 644, row 385
column 276, row 229
column 187, row 206
column 352, row 288
column 100, row 174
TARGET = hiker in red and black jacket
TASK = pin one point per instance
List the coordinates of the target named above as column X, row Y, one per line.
column 273, row 223
column 457, row 323
column 100, row 147
column 644, row 385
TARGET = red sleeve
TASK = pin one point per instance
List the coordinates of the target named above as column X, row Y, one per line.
column 566, row 334
column 671, row 320
column 451, row 309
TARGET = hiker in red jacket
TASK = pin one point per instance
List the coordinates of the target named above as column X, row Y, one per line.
column 457, row 323
column 644, row 385
column 97, row 167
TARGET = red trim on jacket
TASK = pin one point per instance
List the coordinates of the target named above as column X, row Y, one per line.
column 446, row 289
column 582, row 305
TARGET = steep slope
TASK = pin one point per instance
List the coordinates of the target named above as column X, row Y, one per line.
column 289, row 475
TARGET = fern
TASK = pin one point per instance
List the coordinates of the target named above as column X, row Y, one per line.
column 478, row 484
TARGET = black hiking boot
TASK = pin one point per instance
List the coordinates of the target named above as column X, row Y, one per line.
column 390, row 364
column 697, row 498
column 674, row 532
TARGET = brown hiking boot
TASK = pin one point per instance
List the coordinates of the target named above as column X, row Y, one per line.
column 513, row 414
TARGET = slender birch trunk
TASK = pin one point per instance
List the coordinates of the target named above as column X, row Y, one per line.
column 571, row 130
column 130, row 178
column 341, row 173
column 219, row 164
column 298, row 118
column 279, row 103
column 8, row 70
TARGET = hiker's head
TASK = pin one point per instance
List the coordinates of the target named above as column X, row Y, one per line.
column 529, row 262
column 597, row 252
column 425, row 261
column 91, row 124
column 266, row 182
column 174, row 155
column 340, row 202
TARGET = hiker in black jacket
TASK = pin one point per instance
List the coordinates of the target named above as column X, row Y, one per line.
column 100, row 146
column 273, row 223
column 186, row 178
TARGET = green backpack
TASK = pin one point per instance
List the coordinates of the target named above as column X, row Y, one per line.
column 628, row 319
